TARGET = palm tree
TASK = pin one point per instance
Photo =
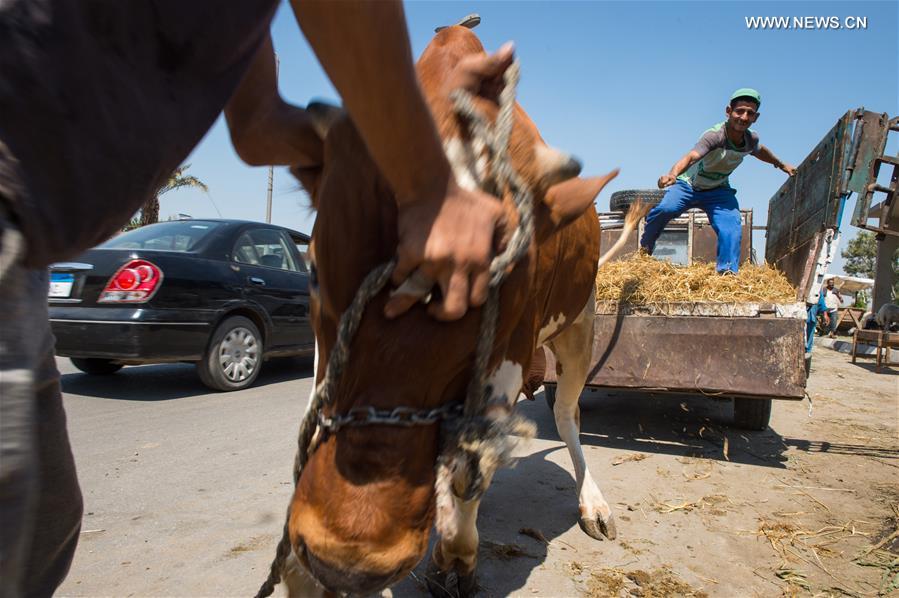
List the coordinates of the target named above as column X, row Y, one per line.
column 150, row 212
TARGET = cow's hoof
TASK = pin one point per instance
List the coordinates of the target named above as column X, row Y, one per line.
column 599, row 529
column 449, row 584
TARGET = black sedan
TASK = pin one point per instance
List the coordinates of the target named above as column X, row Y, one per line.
column 224, row 294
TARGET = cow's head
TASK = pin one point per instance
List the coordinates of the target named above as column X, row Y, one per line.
column 364, row 504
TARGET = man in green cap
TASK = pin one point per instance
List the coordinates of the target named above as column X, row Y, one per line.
column 700, row 179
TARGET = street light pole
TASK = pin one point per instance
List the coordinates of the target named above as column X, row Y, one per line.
column 271, row 169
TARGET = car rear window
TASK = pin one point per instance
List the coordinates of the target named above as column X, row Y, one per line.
column 180, row 235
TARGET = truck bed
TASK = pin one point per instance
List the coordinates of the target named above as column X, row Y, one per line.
column 749, row 350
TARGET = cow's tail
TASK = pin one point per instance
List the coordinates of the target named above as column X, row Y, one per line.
column 635, row 213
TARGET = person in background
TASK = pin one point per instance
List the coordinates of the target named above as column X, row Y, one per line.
column 700, row 179
column 833, row 300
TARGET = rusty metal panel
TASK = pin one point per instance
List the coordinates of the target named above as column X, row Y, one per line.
column 872, row 141
column 760, row 357
column 807, row 203
column 608, row 237
column 705, row 241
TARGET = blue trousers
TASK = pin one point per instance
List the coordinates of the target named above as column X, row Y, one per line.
column 723, row 211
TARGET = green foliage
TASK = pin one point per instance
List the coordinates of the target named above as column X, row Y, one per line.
column 860, row 255
column 150, row 212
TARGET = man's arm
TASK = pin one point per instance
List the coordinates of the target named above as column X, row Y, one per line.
column 445, row 232
column 766, row 155
column 666, row 180
column 264, row 128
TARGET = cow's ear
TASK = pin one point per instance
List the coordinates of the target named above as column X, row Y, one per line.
column 323, row 117
column 567, row 200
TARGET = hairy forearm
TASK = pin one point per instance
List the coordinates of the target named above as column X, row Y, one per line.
column 766, row 155
column 265, row 129
column 683, row 164
column 364, row 48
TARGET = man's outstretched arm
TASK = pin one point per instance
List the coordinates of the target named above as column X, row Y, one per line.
column 445, row 232
column 766, row 155
column 666, row 180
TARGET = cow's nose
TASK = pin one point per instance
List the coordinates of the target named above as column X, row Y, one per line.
column 337, row 579
column 573, row 167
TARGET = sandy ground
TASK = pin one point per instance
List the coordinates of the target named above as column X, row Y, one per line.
column 808, row 507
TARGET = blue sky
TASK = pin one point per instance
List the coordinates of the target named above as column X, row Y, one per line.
column 619, row 84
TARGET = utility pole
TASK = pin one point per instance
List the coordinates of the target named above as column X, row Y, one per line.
column 271, row 169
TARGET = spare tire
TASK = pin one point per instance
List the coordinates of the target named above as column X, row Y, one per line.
column 622, row 200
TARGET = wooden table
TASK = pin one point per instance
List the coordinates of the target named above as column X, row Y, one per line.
column 879, row 339
column 852, row 315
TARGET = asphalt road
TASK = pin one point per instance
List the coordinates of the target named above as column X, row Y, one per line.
column 184, row 489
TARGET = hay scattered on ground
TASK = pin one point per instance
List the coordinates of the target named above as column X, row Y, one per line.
column 642, row 279
column 658, row 583
column 629, row 458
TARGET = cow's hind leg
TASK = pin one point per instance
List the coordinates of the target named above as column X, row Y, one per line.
column 572, row 348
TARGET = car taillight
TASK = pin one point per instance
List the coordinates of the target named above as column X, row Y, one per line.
column 135, row 282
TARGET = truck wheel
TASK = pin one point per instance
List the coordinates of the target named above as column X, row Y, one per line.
column 622, row 200
column 752, row 414
column 549, row 393
column 96, row 367
column 234, row 356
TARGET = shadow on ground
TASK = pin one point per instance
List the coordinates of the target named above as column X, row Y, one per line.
column 681, row 425
column 165, row 382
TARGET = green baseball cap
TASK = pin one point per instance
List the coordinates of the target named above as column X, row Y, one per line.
column 747, row 92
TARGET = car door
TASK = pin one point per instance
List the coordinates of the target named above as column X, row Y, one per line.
column 272, row 279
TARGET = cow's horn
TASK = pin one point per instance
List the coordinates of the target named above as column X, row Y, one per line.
column 323, row 116
column 555, row 165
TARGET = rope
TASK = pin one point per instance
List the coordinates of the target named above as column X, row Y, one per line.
column 496, row 139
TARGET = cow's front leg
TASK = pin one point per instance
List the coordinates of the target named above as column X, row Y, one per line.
column 452, row 569
column 573, row 349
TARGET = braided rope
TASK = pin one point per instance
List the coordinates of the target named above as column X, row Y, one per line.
column 496, row 139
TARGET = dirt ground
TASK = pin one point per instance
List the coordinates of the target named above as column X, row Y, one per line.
column 809, row 507
column 185, row 491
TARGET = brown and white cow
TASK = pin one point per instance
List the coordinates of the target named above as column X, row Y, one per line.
column 365, row 502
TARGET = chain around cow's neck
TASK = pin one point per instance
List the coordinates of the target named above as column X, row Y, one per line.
column 496, row 138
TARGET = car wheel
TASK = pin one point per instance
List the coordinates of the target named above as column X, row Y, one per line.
column 234, row 356
column 96, row 367
column 752, row 414
column 622, row 200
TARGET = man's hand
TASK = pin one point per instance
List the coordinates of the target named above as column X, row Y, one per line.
column 666, row 180
column 788, row 168
column 447, row 239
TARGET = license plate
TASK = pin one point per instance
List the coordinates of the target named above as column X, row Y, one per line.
column 61, row 284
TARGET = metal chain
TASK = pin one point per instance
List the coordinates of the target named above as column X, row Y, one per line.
column 496, row 139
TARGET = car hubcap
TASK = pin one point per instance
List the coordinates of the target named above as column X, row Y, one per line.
column 238, row 354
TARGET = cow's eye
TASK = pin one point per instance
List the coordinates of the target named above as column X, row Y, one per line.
column 313, row 276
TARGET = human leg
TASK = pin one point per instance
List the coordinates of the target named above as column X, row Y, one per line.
column 834, row 316
column 724, row 214
column 40, row 502
column 675, row 202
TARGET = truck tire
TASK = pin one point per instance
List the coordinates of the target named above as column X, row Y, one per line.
column 622, row 200
column 752, row 414
column 234, row 356
column 96, row 367
column 549, row 393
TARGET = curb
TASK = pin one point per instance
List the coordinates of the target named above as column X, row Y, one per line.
column 844, row 346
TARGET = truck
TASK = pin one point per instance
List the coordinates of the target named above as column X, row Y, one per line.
column 751, row 353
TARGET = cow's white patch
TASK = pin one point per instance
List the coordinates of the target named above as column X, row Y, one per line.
column 468, row 161
column 506, row 380
column 554, row 325
column 314, row 377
